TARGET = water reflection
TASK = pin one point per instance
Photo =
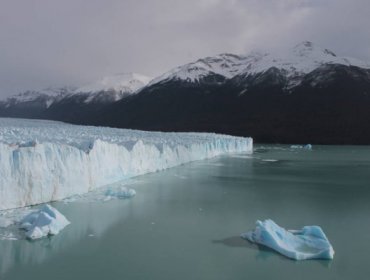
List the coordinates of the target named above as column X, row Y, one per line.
column 88, row 220
column 190, row 217
column 262, row 253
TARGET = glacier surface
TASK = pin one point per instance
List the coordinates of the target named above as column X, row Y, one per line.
column 43, row 161
column 43, row 222
column 308, row 243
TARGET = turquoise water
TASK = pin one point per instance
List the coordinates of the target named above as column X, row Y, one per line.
column 184, row 223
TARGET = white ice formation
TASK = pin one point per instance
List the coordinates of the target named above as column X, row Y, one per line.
column 43, row 161
column 120, row 193
column 306, row 147
column 308, row 243
column 43, row 222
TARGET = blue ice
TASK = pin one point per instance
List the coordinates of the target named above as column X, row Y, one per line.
column 308, row 243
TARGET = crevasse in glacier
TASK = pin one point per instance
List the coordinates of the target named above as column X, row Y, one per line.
column 308, row 243
column 42, row 161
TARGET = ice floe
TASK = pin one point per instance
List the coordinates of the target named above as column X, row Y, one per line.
column 120, row 193
column 308, row 243
column 306, row 147
column 43, row 222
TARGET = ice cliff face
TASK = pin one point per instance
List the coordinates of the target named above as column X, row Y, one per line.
column 42, row 161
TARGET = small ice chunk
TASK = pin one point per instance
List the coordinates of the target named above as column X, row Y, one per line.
column 8, row 236
column 308, row 243
column 4, row 223
column 305, row 147
column 120, row 193
column 296, row 147
column 43, row 222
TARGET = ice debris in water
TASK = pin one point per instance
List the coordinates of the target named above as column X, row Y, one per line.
column 308, row 243
column 306, row 147
column 43, row 222
column 120, row 193
column 4, row 222
column 270, row 160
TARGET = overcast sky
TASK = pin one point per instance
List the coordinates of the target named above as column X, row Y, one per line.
column 72, row 42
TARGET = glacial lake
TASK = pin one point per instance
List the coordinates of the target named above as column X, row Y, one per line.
column 185, row 222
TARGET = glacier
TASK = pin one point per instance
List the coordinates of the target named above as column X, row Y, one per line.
column 43, row 161
column 308, row 243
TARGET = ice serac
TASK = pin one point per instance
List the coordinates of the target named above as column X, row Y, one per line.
column 308, row 243
column 44, row 222
column 42, row 161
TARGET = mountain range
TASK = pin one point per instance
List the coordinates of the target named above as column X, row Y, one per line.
column 306, row 94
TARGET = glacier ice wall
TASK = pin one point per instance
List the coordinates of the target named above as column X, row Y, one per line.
column 42, row 161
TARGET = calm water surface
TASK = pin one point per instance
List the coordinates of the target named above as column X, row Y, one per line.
column 185, row 222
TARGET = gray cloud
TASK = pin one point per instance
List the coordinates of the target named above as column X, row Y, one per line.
column 53, row 42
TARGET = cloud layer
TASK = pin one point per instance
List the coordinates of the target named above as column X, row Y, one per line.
column 52, row 42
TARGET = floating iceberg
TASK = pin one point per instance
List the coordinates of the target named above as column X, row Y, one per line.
column 44, row 222
column 306, row 147
column 308, row 243
column 120, row 193
column 43, row 161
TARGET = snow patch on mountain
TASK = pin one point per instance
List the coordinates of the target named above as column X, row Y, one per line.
column 301, row 59
column 127, row 82
column 226, row 65
column 46, row 96
column 107, row 89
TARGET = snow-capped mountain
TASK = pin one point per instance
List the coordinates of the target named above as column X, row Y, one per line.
column 126, row 82
column 113, row 88
column 306, row 93
column 301, row 59
column 44, row 97
column 107, row 90
column 72, row 104
column 224, row 65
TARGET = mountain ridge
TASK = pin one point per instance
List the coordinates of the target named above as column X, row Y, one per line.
column 307, row 95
